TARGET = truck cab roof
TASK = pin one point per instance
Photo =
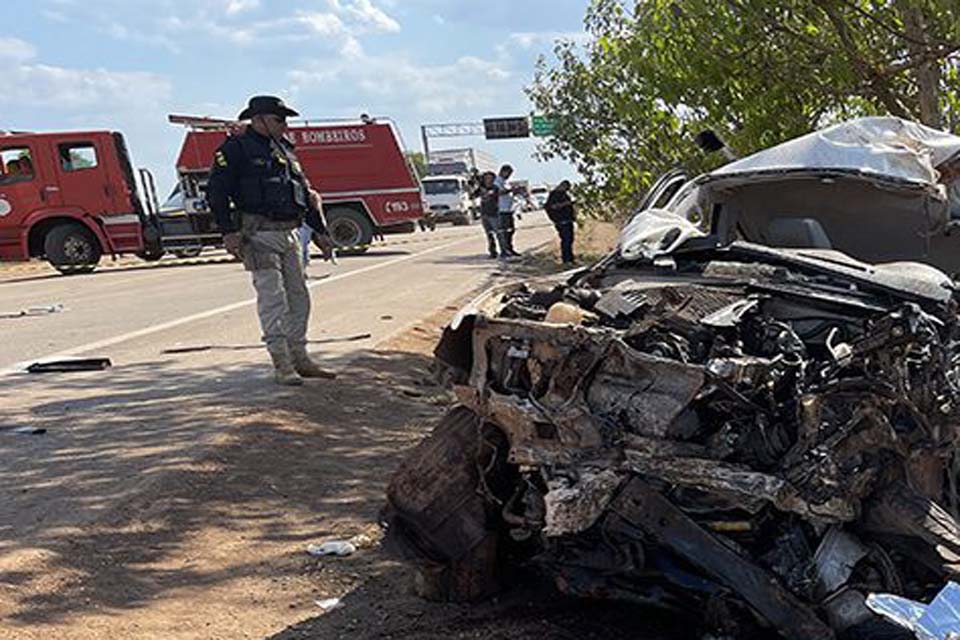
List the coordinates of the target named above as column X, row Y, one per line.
column 448, row 176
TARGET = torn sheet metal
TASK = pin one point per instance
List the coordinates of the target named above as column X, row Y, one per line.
column 747, row 430
column 940, row 620
column 886, row 147
column 572, row 508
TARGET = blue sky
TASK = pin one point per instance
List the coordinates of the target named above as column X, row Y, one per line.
column 124, row 64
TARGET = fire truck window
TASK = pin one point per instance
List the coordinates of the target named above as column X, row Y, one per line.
column 16, row 165
column 77, row 156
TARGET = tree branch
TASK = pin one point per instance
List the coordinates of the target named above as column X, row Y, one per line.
column 873, row 80
column 894, row 31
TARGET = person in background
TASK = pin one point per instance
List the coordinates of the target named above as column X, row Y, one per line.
column 306, row 238
column 560, row 210
column 26, row 166
column 13, row 168
column 505, row 211
column 489, row 210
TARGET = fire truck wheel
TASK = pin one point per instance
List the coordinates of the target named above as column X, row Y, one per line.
column 349, row 229
column 188, row 252
column 72, row 248
column 151, row 255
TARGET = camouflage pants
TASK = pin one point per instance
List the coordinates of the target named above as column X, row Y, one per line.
column 272, row 253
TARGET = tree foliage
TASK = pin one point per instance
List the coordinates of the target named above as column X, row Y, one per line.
column 628, row 104
column 419, row 162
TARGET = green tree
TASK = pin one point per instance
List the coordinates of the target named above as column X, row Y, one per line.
column 628, row 104
column 418, row 161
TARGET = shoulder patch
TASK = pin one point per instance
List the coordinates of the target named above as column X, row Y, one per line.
column 221, row 159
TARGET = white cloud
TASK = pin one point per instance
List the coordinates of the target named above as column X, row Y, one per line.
column 234, row 7
column 394, row 82
column 122, row 32
column 50, row 86
column 42, row 85
column 530, row 39
column 16, row 50
column 323, row 23
column 225, row 20
column 369, row 17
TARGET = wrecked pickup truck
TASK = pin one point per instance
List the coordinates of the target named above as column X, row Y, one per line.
column 879, row 189
column 758, row 436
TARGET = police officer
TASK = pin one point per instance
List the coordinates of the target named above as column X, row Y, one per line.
column 258, row 173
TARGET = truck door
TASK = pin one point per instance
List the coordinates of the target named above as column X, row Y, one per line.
column 81, row 176
column 84, row 181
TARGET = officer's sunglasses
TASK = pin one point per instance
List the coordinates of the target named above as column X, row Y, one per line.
column 276, row 118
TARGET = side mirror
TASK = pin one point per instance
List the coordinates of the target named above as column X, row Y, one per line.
column 709, row 141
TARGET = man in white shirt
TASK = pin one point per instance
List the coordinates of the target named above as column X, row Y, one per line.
column 505, row 205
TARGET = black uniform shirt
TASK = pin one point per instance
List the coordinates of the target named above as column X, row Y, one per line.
column 258, row 175
column 559, row 207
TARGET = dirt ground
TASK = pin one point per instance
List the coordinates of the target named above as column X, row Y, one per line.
column 216, row 547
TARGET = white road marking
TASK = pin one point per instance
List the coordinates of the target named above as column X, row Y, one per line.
column 101, row 344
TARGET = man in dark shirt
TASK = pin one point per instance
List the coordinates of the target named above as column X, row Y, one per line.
column 559, row 208
column 489, row 195
column 260, row 197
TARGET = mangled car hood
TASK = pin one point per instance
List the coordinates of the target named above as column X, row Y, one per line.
column 741, row 430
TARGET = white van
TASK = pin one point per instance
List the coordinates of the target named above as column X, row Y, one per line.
column 448, row 199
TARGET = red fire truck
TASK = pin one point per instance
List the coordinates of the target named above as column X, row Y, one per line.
column 73, row 197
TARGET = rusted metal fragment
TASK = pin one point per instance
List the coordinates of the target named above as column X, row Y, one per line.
column 572, row 508
column 433, row 496
column 645, row 392
column 653, row 514
column 469, row 578
column 549, row 436
column 902, row 511
column 564, row 337
column 749, row 488
column 660, row 448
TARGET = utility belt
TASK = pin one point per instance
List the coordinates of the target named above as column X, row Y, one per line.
column 256, row 222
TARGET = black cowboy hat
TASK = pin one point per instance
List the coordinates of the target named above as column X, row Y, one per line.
column 260, row 105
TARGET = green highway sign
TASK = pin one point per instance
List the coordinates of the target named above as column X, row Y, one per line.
column 542, row 126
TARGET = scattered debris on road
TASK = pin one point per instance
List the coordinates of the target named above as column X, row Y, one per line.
column 43, row 310
column 764, row 436
column 31, row 431
column 70, row 365
column 248, row 347
column 332, row 548
column 346, row 547
column 328, row 604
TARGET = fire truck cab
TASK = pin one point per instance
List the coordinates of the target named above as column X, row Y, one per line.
column 68, row 196
column 73, row 197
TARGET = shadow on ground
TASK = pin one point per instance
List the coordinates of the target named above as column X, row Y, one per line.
column 88, row 525
column 384, row 607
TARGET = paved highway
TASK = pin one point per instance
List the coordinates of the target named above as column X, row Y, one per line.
column 139, row 309
column 151, row 409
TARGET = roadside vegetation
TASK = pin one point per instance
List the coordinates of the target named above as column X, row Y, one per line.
column 653, row 73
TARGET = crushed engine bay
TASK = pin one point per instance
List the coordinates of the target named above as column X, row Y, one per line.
column 763, row 437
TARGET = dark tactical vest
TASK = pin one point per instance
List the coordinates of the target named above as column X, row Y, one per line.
column 272, row 184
